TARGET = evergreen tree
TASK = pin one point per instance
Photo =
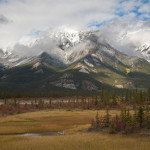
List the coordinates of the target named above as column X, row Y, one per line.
column 102, row 94
column 140, row 116
column 96, row 101
column 50, row 102
column 15, row 102
column 141, row 99
column 88, row 104
column 148, row 94
column 93, row 124
column 97, row 122
column 148, row 122
column 122, row 115
column 127, row 96
column 35, row 101
column 5, row 101
column 41, row 103
column 147, row 117
column 135, row 120
column 107, row 118
column 112, row 127
column 18, row 108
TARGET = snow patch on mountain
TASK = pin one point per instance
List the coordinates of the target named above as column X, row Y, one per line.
column 68, row 45
column 65, row 81
column 128, row 36
column 36, row 65
column 84, row 70
column 66, row 36
column 87, row 63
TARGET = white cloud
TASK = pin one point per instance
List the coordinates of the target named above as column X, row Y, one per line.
column 129, row 5
column 29, row 16
column 145, row 8
column 127, row 35
column 4, row 20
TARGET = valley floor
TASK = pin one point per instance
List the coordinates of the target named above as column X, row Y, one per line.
column 74, row 123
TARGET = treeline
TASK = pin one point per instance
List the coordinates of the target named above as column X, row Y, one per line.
column 102, row 100
column 125, row 122
column 106, row 95
column 40, row 94
column 128, row 96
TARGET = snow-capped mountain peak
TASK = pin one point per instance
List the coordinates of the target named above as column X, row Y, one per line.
column 69, row 45
column 27, row 41
column 66, row 37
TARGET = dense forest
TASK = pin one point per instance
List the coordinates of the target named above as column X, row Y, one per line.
column 103, row 99
column 126, row 122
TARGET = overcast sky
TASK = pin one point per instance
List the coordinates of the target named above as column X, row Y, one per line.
column 19, row 18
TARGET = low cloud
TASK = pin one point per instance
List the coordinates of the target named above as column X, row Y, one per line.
column 39, row 15
column 29, row 15
column 126, row 35
column 3, row 20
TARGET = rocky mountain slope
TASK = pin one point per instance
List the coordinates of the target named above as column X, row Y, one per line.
column 73, row 61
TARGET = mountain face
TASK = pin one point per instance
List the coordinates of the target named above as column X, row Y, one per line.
column 132, row 38
column 144, row 50
column 135, row 42
column 72, row 60
column 61, row 42
column 4, row 64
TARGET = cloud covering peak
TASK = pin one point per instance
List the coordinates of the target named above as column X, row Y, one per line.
column 3, row 20
column 31, row 17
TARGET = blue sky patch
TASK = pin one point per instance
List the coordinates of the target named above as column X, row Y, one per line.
column 34, row 33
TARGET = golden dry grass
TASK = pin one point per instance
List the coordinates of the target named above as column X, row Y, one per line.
column 47, row 121
column 70, row 121
column 78, row 141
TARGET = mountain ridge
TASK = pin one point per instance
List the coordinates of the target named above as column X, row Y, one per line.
column 88, row 66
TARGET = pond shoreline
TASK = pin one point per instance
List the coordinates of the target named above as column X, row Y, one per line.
column 35, row 134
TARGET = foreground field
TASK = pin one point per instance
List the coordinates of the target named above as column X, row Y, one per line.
column 79, row 141
column 47, row 121
column 73, row 122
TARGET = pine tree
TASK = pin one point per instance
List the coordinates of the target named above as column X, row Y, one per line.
column 112, row 127
column 140, row 116
column 135, row 120
column 97, row 122
column 15, row 102
column 148, row 93
column 96, row 101
column 18, row 108
column 93, row 124
column 5, row 101
column 102, row 94
column 147, row 117
column 88, row 104
column 127, row 95
column 141, row 99
column 122, row 115
column 129, row 122
column 35, row 101
column 41, row 103
column 128, row 116
column 148, row 123
column 50, row 102
column 107, row 118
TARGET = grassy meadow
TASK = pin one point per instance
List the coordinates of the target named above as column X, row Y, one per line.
column 77, row 141
column 47, row 121
column 74, row 123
